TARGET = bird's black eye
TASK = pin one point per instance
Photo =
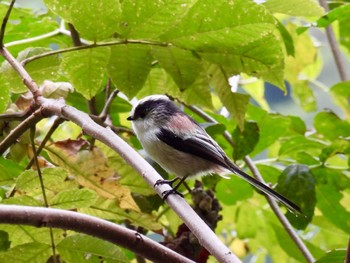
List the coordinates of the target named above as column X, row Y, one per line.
column 141, row 112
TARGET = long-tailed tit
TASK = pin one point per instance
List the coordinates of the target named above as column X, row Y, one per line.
column 178, row 144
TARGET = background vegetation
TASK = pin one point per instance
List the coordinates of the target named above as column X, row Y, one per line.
column 100, row 55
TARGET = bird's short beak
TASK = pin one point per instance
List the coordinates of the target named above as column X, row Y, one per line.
column 130, row 118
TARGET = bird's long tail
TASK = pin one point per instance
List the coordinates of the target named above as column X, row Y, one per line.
column 264, row 188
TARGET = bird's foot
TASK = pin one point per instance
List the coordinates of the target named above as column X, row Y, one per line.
column 169, row 182
column 166, row 193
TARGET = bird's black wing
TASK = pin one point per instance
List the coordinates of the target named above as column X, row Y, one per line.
column 198, row 144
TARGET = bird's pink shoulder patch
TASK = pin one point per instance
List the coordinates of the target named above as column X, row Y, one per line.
column 183, row 124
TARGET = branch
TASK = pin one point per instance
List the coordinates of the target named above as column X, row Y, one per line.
column 28, row 123
column 69, row 220
column 339, row 61
column 95, row 45
column 197, row 226
column 275, row 208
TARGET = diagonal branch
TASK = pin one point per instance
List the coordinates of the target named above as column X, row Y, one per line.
column 273, row 204
column 57, row 218
column 28, row 123
column 339, row 61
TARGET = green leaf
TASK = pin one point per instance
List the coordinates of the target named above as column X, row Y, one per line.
column 344, row 29
column 331, row 126
column 295, row 7
column 86, row 69
column 9, row 169
column 328, row 201
column 271, row 126
column 245, row 140
column 82, row 248
column 60, row 7
column 148, row 19
column 298, row 184
column 40, row 70
column 129, row 66
column 334, row 256
column 341, row 94
column 97, row 20
column 287, row 39
column 159, row 82
column 235, row 103
column 30, row 252
column 338, row 146
column 72, row 199
column 247, row 223
column 5, row 93
column 248, row 43
column 4, row 241
column 333, row 177
column 182, row 65
column 233, row 190
column 304, row 96
column 339, row 13
column 296, row 144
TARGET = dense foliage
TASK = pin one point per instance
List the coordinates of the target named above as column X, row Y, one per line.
column 188, row 50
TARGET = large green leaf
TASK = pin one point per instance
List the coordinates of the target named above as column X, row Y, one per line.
column 235, row 103
column 86, row 69
column 30, row 252
column 40, row 70
column 334, row 256
column 72, row 199
column 182, row 65
column 331, row 126
column 82, row 248
column 97, row 19
column 328, row 201
column 294, row 7
column 246, row 140
column 129, row 66
column 247, row 43
column 341, row 95
column 233, row 190
column 149, row 19
column 298, row 184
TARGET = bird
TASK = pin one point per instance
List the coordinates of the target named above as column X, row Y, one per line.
column 183, row 148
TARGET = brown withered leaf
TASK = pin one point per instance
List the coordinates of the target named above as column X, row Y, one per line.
column 91, row 170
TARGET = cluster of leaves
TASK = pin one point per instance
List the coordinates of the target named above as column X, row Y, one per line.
column 187, row 49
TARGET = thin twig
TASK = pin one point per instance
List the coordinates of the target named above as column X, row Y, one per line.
column 43, row 191
column 95, row 45
column 105, row 109
column 4, row 23
column 338, row 58
column 47, row 137
column 121, row 236
column 31, row 121
column 275, row 208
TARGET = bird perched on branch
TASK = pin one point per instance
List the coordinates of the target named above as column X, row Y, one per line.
column 183, row 148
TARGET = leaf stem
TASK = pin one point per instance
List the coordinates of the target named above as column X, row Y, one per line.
column 273, row 204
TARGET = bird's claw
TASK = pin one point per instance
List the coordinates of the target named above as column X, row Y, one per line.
column 166, row 193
